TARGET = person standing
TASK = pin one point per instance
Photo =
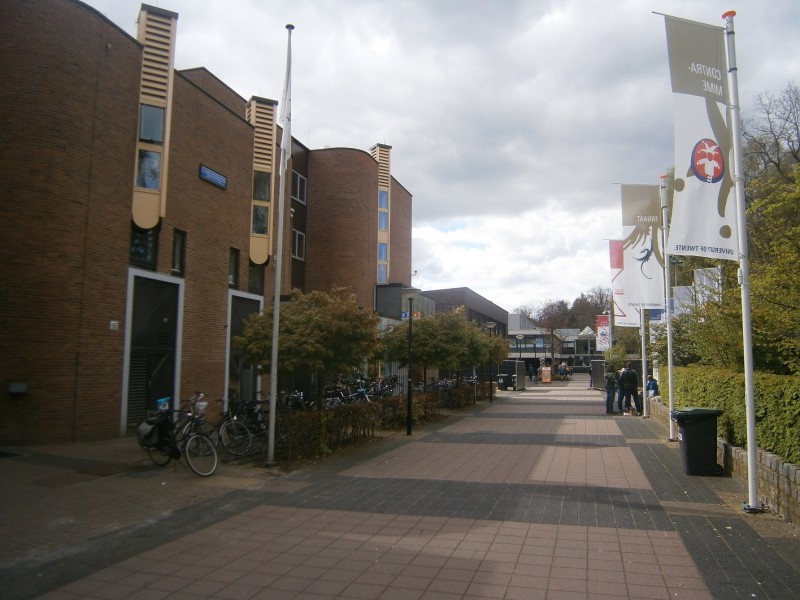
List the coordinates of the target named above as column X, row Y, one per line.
column 629, row 381
column 621, row 394
column 611, row 387
column 651, row 387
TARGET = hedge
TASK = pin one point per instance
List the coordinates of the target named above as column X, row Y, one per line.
column 777, row 406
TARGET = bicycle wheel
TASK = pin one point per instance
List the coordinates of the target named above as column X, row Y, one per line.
column 201, row 455
column 199, row 425
column 159, row 455
column 235, row 438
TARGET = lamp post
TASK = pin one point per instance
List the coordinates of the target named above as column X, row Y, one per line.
column 520, row 337
column 409, row 402
column 490, row 325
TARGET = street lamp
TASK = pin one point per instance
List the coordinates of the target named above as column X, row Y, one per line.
column 520, row 337
column 490, row 325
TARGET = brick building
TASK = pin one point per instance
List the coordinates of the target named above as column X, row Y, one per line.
column 139, row 218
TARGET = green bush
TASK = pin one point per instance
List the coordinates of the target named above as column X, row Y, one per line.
column 776, row 399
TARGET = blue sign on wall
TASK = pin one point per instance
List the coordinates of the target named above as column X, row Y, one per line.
column 212, row 176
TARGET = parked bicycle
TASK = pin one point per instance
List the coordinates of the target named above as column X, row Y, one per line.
column 158, row 436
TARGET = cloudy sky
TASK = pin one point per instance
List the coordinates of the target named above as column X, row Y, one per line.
column 511, row 122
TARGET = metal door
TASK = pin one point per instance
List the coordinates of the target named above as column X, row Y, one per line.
column 151, row 373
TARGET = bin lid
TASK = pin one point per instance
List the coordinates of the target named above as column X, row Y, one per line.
column 694, row 412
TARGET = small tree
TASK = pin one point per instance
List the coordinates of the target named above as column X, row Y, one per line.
column 323, row 333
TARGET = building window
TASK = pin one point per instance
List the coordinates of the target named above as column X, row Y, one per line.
column 178, row 252
column 383, row 273
column 383, row 220
column 151, row 124
column 298, row 245
column 148, row 170
column 383, row 199
column 144, row 247
column 299, row 187
column 233, row 268
column 383, row 251
column 260, row 219
column 255, row 278
column 261, row 186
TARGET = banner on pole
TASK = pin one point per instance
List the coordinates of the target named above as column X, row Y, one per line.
column 643, row 260
column 703, row 219
column 624, row 315
column 603, row 333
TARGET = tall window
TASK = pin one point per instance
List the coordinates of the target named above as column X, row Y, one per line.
column 261, row 186
column 255, row 278
column 383, row 220
column 233, row 268
column 144, row 247
column 178, row 252
column 383, row 251
column 298, row 245
column 383, row 273
column 383, row 199
column 299, row 187
column 260, row 223
column 151, row 137
column 151, row 124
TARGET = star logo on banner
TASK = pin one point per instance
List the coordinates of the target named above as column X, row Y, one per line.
column 707, row 162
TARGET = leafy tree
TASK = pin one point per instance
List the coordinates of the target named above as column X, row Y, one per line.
column 324, row 333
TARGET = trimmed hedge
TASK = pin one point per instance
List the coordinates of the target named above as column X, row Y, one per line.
column 777, row 406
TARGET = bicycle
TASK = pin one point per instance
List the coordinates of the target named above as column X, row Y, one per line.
column 157, row 435
column 233, row 434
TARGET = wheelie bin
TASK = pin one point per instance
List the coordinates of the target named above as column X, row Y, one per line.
column 503, row 381
column 697, row 432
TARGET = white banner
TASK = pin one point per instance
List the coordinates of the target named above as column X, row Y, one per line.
column 643, row 260
column 624, row 315
column 703, row 221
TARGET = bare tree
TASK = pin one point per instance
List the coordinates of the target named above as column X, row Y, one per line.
column 773, row 135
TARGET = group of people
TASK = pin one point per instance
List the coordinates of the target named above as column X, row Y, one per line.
column 625, row 385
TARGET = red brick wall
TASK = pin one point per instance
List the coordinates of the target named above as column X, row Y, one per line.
column 214, row 219
column 342, row 237
column 68, row 107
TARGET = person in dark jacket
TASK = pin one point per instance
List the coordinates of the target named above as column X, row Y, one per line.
column 611, row 386
column 629, row 380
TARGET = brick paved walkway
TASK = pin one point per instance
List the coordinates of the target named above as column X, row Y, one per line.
column 538, row 495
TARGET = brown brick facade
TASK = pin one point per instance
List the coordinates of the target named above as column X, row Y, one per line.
column 69, row 110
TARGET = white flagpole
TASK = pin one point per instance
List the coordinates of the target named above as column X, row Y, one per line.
column 744, row 269
column 644, row 363
column 286, row 154
column 665, row 233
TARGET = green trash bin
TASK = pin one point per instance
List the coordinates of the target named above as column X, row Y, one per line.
column 697, row 431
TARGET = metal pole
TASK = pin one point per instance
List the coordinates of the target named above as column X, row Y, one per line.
column 673, row 437
column 744, row 270
column 409, row 401
column 286, row 154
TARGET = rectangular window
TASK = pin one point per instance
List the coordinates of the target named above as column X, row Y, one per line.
column 233, row 268
column 144, row 247
column 151, row 124
column 261, row 186
column 383, row 220
column 148, row 171
column 383, row 199
column 298, row 245
column 178, row 252
column 255, row 278
column 383, row 251
column 260, row 225
column 383, row 273
column 299, row 187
